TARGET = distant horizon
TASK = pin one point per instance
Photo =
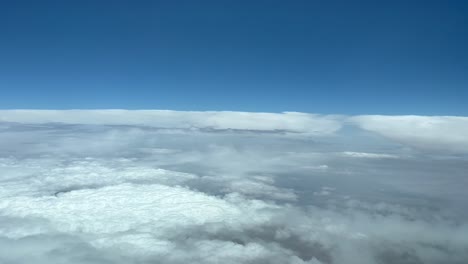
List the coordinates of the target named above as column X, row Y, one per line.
column 238, row 111
column 215, row 110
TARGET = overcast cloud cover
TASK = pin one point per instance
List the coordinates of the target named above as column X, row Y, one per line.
column 117, row 186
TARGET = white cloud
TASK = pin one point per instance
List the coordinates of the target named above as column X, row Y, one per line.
column 288, row 122
column 111, row 187
column 445, row 133
column 368, row 155
column 121, row 208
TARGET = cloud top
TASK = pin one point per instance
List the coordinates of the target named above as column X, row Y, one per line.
column 423, row 132
column 225, row 120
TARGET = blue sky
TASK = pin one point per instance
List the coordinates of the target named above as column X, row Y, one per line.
column 350, row 57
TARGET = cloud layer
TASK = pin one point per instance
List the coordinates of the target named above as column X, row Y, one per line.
column 424, row 132
column 117, row 186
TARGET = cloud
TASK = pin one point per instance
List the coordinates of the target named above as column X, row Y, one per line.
column 276, row 122
column 208, row 187
column 442, row 133
column 369, row 155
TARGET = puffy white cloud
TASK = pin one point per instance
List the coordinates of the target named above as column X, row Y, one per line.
column 114, row 186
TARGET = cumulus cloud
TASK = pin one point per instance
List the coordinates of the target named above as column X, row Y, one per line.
column 115, row 186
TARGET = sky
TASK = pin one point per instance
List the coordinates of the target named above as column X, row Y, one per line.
column 236, row 132
column 345, row 57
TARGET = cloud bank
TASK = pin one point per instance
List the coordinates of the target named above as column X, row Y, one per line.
column 425, row 132
column 118, row 186
column 286, row 122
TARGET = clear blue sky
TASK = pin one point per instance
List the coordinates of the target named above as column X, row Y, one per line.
column 349, row 57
